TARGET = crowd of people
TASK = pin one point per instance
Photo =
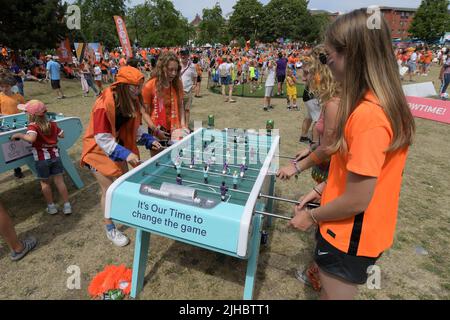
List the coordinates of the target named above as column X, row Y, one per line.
column 362, row 129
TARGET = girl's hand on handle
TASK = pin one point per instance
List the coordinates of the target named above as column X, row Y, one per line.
column 312, row 196
column 302, row 154
column 133, row 159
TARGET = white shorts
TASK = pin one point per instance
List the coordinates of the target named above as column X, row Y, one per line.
column 269, row 92
column 313, row 109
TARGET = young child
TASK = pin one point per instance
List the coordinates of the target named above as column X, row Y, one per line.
column 98, row 77
column 291, row 88
column 270, row 83
column 374, row 128
column 9, row 102
column 43, row 135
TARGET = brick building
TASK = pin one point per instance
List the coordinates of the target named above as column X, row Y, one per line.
column 399, row 20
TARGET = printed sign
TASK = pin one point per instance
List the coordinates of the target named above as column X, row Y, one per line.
column 431, row 109
column 15, row 150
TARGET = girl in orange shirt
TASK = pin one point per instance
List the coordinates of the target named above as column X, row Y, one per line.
column 109, row 143
column 163, row 99
column 375, row 127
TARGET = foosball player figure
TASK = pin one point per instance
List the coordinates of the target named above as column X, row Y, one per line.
column 225, row 168
column 223, row 191
column 235, row 179
column 178, row 166
column 243, row 169
column 235, row 139
column 205, row 173
column 192, row 162
column 179, row 180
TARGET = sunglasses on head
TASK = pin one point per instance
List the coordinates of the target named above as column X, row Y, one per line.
column 323, row 58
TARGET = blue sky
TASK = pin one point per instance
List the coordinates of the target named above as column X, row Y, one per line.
column 190, row 7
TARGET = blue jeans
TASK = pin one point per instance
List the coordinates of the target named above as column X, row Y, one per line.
column 20, row 87
column 445, row 83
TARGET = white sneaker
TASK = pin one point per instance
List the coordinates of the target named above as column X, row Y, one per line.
column 52, row 209
column 117, row 237
column 67, row 208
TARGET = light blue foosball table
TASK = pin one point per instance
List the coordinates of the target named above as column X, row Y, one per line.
column 213, row 189
column 14, row 154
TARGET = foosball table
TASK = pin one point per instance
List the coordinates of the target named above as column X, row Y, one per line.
column 213, row 189
column 15, row 154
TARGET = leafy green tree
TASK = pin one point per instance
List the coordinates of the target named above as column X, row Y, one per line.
column 314, row 28
column 247, row 19
column 431, row 20
column 212, row 26
column 31, row 24
column 285, row 19
column 157, row 23
column 97, row 21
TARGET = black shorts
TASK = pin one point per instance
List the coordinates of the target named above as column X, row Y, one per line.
column 281, row 79
column 55, row 84
column 352, row 269
column 105, row 72
column 199, row 79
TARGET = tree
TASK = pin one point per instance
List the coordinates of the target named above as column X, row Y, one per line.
column 246, row 19
column 314, row 27
column 31, row 24
column 97, row 21
column 431, row 20
column 285, row 19
column 212, row 26
column 157, row 23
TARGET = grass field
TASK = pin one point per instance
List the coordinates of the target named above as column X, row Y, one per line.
column 244, row 90
column 179, row 271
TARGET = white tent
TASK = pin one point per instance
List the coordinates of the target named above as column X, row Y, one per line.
column 207, row 45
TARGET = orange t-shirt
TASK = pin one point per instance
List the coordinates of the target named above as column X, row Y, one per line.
column 8, row 104
column 428, row 57
column 169, row 103
column 122, row 62
column 144, row 54
column 368, row 134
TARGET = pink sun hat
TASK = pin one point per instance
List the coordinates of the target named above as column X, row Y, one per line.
column 34, row 107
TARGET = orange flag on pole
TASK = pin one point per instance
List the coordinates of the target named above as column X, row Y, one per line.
column 123, row 36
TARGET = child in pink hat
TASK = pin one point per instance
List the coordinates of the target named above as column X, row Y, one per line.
column 43, row 135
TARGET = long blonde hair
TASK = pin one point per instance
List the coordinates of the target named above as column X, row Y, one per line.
column 321, row 82
column 160, row 74
column 370, row 64
column 42, row 122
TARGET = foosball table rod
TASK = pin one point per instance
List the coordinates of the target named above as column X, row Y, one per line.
column 209, row 173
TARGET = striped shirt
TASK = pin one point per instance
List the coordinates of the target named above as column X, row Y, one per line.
column 45, row 147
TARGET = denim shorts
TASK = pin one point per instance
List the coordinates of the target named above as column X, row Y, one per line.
column 48, row 168
column 225, row 80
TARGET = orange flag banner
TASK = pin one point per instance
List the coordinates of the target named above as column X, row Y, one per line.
column 123, row 36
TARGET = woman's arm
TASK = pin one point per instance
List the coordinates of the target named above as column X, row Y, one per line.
column 355, row 200
column 323, row 153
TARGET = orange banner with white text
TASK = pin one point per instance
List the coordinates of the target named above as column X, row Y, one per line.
column 123, row 36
